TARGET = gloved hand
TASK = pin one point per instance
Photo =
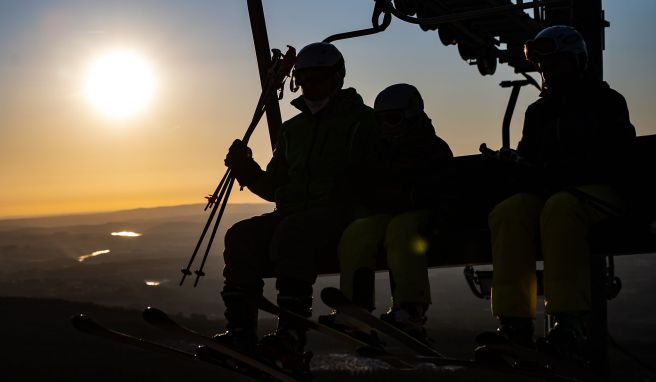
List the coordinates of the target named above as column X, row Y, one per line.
column 238, row 153
column 241, row 163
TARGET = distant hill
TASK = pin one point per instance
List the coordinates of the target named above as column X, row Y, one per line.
column 127, row 215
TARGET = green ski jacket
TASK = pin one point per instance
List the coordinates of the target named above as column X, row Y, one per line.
column 317, row 156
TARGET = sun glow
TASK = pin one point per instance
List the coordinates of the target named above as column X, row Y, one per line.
column 120, row 84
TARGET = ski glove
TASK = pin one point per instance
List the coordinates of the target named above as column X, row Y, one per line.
column 241, row 163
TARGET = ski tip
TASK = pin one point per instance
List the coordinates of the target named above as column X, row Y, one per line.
column 333, row 297
column 154, row 315
column 83, row 323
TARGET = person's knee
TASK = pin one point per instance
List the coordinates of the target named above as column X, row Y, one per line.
column 359, row 241
column 357, row 229
column 562, row 206
column 519, row 209
column 235, row 238
column 238, row 233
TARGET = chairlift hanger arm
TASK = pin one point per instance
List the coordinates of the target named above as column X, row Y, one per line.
column 461, row 16
column 379, row 9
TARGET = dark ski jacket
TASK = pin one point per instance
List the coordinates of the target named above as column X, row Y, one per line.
column 582, row 136
column 404, row 173
column 316, row 155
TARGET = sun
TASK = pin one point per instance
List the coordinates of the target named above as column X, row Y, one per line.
column 120, row 84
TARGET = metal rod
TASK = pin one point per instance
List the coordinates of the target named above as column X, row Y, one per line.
column 532, row 80
column 224, row 201
column 380, row 8
column 187, row 271
column 279, row 70
column 212, row 198
column 461, row 16
column 262, row 53
column 507, row 117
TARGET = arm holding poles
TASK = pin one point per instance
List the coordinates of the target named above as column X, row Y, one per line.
column 276, row 74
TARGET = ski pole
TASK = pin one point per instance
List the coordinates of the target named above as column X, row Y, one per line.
column 211, row 199
column 200, row 272
column 187, row 271
column 280, row 69
column 227, row 181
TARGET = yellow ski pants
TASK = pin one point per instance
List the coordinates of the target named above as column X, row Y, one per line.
column 399, row 238
column 557, row 226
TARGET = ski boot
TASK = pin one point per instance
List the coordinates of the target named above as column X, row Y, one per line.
column 510, row 344
column 410, row 318
column 353, row 328
column 241, row 339
column 241, row 314
column 567, row 340
column 284, row 348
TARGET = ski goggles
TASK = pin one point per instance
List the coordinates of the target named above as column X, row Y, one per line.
column 390, row 117
column 534, row 49
column 304, row 77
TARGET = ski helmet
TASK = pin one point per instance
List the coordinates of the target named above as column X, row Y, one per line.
column 557, row 39
column 403, row 97
column 320, row 55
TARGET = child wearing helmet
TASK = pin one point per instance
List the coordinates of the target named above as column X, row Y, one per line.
column 406, row 157
column 574, row 137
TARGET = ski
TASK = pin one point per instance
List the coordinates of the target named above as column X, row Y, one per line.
column 362, row 348
column 87, row 325
column 161, row 320
column 524, row 358
column 335, row 299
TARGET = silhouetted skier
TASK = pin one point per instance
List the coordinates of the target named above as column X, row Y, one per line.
column 407, row 158
column 574, row 139
column 317, row 152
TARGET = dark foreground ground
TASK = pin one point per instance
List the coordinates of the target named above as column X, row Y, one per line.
column 39, row 344
column 41, row 268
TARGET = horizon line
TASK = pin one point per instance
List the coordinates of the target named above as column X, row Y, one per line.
column 86, row 213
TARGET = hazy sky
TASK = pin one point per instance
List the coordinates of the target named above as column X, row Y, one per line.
column 58, row 154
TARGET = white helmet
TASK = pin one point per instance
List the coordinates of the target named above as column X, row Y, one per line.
column 400, row 97
column 557, row 39
column 320, row 55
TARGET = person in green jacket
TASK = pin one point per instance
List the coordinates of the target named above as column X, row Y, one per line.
column 318, row 153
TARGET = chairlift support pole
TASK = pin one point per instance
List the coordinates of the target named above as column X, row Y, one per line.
column 507, row 117
column 263, row 55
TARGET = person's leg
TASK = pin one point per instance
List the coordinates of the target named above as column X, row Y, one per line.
column 406, row 246
column 298, row 242
column 565, row 225
column 358, row 248
column 246, row 256
column 515, row 248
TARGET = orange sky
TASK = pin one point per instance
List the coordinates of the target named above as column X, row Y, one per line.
column 59, row 155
